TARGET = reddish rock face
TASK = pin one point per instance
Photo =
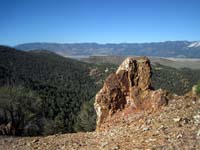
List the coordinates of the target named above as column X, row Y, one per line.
column 127, row 90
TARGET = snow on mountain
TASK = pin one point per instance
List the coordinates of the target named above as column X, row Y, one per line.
column 194, row 44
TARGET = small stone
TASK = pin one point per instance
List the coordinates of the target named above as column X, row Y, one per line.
column 162, row 127
column 104, row 144
column 156, row 133
column 148, row 121
column 112, row 134
column 198, row 134
column 196, row 119
column 179, row 136
column 150, row 140
column 63, row 147
column 106, row 70
column 186, row 120
column 177, row 119
column 35, row 140
column 28, row 144
column 14, row 146
column 116, row 148
column 146, row 129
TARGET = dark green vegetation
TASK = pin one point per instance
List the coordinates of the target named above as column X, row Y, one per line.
column 19, row 111
column 198, row 89
column 42, row 93
column 179, row 81
column 86, row 119
column 48, row 89
column 159, row 49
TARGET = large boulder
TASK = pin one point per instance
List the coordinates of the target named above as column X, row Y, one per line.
column 127, row 91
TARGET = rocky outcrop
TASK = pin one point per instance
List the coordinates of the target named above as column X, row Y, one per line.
column 127, row 91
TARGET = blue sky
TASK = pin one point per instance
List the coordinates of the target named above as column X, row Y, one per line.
column 102, row 21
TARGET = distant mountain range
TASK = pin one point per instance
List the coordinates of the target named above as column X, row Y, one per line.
column 182, row 49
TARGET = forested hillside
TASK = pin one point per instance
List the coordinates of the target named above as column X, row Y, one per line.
column 178, row 81
column 42, row 92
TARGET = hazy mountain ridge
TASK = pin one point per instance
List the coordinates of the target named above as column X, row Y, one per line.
column 190, row 49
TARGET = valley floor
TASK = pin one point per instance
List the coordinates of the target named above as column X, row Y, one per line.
column 175, row 126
